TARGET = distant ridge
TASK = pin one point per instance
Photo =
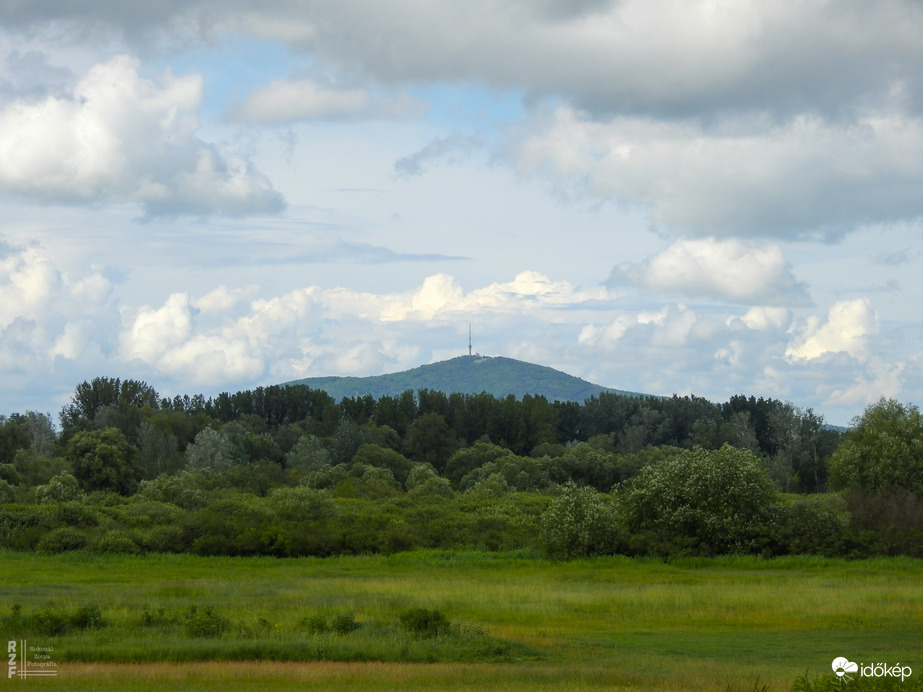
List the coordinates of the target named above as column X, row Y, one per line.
column 467, row 375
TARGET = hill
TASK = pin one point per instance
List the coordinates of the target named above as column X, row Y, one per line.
column 467, row 375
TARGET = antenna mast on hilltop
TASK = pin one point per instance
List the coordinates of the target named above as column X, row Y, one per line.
column 469, row 338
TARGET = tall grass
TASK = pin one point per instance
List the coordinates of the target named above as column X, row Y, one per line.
column 593, row 624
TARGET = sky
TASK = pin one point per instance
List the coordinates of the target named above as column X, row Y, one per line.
column 700, row 197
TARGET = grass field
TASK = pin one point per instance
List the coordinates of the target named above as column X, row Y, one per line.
column 518, row 622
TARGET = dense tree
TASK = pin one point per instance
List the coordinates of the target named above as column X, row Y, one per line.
column 478, row 470
column 586, row 464
column 430, row 440
column 518, row 473
column 90, row 397
column 103, row 460
column 706, row 501
column 158, row 451
column 40, row 429
column 13, row 437
column 396, row 412
column 212, row 452
column 465, row 460
column 309, row 454
column 540, row 422
column 346, row 441
column 359, row 409
column 261, row 447
column 883, row 450
column 381, row 457
column 424, row 481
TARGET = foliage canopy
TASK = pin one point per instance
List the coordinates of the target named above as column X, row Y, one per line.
column 883, row 450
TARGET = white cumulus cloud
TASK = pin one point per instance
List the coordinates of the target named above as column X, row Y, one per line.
column 440, row 295
column 849, row 325
column 46, row 314
column 733, row 270
column 119, row 137
column 750, row 176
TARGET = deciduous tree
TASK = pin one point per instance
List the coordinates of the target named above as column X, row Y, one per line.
column 883, row 450
column 103, row 460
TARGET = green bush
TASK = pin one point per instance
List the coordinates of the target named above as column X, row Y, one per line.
column 712, row 502
column 162, row 539
column 61, row 488
column 8, row 493
column 52, row 622
column 424, row 622
column 9, row 474
column 61, row 540
column 117, row 542
column 814, row 525
column 88, row 616
column 578, row 523
column 155, row 618
column 316, row 624
column 186, row 489
column 205, row 622
column 74, row 514
column 344, row 623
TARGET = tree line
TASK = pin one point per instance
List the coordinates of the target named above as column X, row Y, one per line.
column 286, row 470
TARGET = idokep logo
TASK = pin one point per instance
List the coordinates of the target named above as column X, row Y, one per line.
column 843, row 667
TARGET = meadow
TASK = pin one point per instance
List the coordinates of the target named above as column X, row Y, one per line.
column 458, row 621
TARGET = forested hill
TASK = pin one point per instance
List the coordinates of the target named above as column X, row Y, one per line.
column 497, row 376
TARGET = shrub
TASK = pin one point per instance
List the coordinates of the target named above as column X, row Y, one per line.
column 53, row 622
column 713, row 502
column 155, row 618
column 887, row 522
column 74, row 514
column 302, row 504
column 424, row 622
column 204, row 622
column 316, row 624
column 61, row 488
column 185, row 489
column 8, row 493
column 578, row 523
column 61, row 540
column 466, row 460
column 814, row 525
column 9, row 474
column 344, row 623
column 163, row 539
column 117, row 542
column 88, row 616
column 384, row 458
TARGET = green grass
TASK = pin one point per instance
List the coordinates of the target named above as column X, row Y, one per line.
column 518, row 622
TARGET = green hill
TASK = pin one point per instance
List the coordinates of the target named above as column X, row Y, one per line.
column 467, row 375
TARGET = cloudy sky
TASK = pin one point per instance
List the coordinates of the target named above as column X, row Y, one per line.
column 699, row 197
